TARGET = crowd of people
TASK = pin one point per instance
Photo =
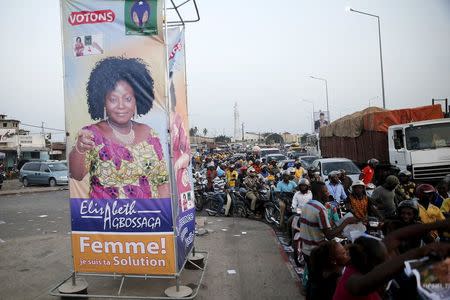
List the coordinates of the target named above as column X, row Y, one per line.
column 412, row 220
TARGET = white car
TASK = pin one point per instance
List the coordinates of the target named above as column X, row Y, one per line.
column 326, row 165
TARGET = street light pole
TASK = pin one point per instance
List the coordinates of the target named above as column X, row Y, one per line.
column 326, row 91
column 379, row 43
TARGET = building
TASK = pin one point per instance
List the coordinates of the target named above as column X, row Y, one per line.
column 252, row 136
column 17, row 144
column 290, row 138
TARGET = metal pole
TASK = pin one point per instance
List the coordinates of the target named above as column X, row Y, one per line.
column 328, row 107
column 379, row 43
column 381, row 63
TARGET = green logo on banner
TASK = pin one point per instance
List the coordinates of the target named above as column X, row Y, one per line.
column 141, row 17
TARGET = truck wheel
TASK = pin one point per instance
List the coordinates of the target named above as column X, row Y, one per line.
column 52, row 182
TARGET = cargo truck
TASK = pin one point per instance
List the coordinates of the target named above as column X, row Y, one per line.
column 416, row 139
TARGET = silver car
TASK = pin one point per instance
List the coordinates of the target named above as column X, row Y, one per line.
column 326, row 165
column 50, row 173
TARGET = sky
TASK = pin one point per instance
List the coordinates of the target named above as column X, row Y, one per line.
column 258, row 54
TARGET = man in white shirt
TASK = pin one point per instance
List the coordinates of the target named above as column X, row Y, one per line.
column 302, row 196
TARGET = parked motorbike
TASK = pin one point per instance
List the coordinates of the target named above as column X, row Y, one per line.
column 2, row 178
column 272, row 212
column 200, row 184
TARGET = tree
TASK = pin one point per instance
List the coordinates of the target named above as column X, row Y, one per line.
column 273, row 138
column 193, row 131
column 222, row 139
column 205, row 131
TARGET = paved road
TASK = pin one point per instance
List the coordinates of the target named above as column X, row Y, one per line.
column 35, row 255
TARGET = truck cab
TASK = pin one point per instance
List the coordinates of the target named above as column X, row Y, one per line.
column 422, row 147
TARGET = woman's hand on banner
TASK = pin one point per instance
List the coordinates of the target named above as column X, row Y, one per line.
column 85, row 141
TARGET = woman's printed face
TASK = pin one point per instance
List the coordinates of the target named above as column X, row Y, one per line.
column 120, row 103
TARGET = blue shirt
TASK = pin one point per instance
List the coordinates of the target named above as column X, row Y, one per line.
column 286, row 187
column 336, row 191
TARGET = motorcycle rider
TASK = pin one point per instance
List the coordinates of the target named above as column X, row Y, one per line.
column 407, row 215
column 406, row 188
column 299, row 171
column 257, row 165
column 428, row 212
column 219, row 185
column 383, row 197
column 335, row 188
column 211, row 173
column 252, row 184
column 232, row 176
column 302, row 196
column 313, row 175
column 242, row 175
column 359, row 204
column 286, row 186
column 346, row 181
column 369, row 171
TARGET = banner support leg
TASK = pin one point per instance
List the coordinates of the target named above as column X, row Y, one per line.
column 121, row 284
column 74, row 285
column 178, row 291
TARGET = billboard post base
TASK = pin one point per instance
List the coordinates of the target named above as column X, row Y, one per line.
column 178, row 291
column 74, row 285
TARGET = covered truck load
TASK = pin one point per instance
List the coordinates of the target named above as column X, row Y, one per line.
column 363, row 134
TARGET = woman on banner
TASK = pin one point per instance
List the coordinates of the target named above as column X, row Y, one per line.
column 124, row 158
column 180, row 146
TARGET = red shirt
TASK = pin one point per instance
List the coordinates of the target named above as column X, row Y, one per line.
column 341, row 292
column 367, row 174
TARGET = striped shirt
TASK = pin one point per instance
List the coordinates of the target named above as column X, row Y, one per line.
column 313, row 220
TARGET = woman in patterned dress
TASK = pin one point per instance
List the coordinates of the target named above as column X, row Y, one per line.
column 124, row 158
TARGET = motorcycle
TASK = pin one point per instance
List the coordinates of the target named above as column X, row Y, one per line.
column 234, row 202
column 272, row 212
column 2, row 178
column 295, row 225
column 374, row 227
column 200, row 184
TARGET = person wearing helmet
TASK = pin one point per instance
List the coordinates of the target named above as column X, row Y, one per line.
column 407, row 215
column 313, row 174
column 428, row 212
column 257, row 166
column 368, row 172
column 359, row 203
column 302, row 196
column 288, row 186
column 252, row 184
column 335, row 188
column 384, row 197
column 299, row 171
column 406, row 187
column 242, row 175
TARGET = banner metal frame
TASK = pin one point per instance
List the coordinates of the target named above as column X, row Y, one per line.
column 54, row 290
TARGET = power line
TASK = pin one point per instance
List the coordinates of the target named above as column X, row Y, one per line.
column 48, row 128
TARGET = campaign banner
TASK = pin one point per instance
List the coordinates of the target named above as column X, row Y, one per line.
column 321, row 119
column 181, row 150
column 117, row 123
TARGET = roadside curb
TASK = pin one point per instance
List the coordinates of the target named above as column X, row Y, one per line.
column 32, row 190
